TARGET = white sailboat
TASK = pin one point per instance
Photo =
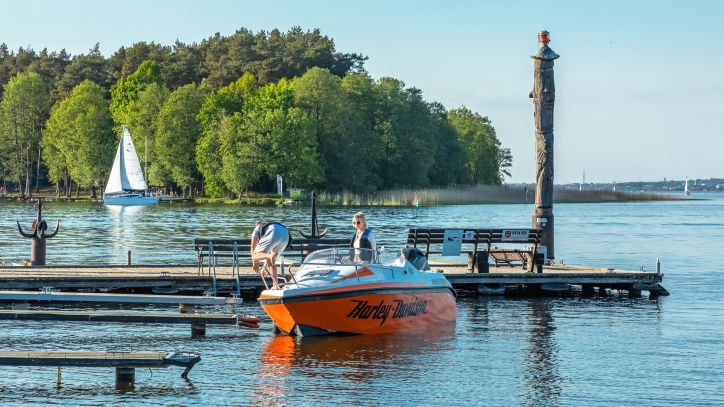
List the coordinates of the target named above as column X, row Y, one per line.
column 686, row 187
column 126, row 184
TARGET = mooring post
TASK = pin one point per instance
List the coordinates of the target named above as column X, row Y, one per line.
column 196, row 329
column 544, row 97
column 60, row 377
column 38, row 236
column 125, row 376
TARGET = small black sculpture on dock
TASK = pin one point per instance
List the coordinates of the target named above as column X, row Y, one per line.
column 315, row 226
column 37, row 244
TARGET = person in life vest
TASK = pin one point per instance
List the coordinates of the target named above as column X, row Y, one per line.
column 363, row 238
column 268, row 240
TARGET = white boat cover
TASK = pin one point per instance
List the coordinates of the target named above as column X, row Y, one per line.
column 126, row 173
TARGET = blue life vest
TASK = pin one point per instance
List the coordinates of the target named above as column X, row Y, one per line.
column 364, row 241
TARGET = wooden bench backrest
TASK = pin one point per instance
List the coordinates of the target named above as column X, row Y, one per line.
column 225, row 247
column 428, row 237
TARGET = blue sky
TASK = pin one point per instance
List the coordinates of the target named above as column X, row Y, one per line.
column 639, row 85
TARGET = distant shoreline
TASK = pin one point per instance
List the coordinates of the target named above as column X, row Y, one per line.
column 476, row 195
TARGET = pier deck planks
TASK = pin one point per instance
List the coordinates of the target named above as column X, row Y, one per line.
column 95, row 359
column 130, row 317
column 187, row 278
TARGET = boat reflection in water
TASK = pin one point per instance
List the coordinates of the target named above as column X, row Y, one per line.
column 364, row 359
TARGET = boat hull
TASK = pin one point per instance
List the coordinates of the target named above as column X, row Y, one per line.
column 129, row 199
column 367, row 311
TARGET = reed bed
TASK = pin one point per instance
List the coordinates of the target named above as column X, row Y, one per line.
column 480, row 194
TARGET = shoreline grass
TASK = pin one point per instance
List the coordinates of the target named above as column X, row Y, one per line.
column 481, row 194
column 462, row 195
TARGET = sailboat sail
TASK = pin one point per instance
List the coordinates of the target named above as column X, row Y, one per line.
column 126, row 173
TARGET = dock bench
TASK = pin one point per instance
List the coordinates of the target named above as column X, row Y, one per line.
column 478, row 243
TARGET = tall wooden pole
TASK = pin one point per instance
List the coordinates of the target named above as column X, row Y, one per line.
column 544, row 97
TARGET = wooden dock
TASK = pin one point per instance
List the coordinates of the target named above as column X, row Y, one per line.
column 124, row 362
column 188, row 280
column 57, row 296
column 124, row 317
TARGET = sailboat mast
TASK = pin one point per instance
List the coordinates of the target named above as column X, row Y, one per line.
column 145, row 158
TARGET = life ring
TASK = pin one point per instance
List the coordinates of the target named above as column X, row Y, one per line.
column 35, row 224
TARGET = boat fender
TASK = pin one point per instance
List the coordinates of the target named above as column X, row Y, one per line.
column 249, row 321
column 250, row 318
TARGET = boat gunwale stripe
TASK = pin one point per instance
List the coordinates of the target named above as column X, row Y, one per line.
column 352, row 293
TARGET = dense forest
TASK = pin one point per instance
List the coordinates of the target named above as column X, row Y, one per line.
column 222, row 117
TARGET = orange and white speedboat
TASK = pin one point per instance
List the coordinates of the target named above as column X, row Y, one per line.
column 343, row 290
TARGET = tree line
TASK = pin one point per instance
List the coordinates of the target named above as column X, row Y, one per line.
column 224, row 116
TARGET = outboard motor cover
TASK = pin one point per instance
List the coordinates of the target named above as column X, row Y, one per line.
column 416, row 258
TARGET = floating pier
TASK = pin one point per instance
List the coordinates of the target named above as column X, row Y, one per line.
column 124, row 362
column 56, row 296
column 126, row 317
column 186, row 279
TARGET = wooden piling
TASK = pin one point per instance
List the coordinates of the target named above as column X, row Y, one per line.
column 125, row 375
column 633, row 293
column 197, row 329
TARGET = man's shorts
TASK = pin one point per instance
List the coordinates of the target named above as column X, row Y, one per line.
column 275, row 240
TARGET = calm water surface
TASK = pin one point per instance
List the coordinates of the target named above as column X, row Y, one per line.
column 544, row 351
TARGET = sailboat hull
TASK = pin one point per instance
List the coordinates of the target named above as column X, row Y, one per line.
column 129, row 199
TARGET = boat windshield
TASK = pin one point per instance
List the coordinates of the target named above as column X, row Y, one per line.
column 341, row 255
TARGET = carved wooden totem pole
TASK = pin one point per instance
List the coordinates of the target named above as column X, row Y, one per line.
column 544, row 97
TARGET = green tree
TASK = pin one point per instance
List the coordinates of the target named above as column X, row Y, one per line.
column 183, row 65
column 92, row 66
column 218, row 105
column 271, row 137
column 23, row 111
column 142, row 123
column 242, row 153
column 403, row 123
column 365, row 146
column 319, row 95
column 7, row 65
column 448, row 166
column 50, row 66
column 124, row 94
column 177, row 135
column 482, row 147
column 79, row 137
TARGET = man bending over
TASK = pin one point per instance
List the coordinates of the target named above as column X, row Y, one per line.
column 268, row 240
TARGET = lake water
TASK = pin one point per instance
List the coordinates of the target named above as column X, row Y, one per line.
column 541, row 351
